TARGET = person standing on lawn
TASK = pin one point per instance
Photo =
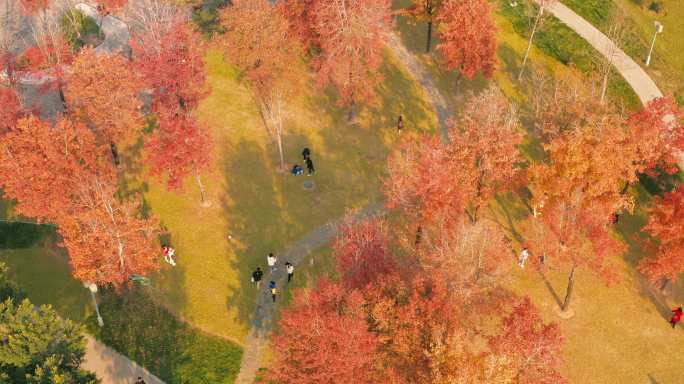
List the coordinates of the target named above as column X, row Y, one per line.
column 306, row 153
column 677, row 314
column 169, row 253
column 274, row 290
column 290, row 271
column 400, row 124
column 523, row 257
column 310, row 166
column 256, row 276
column 271, row 260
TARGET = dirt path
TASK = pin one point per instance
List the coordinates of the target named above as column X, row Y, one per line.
column 112, row 367
column 421, row 75
column 262, row 321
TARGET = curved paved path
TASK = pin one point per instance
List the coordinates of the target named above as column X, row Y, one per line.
column 262, row 321
column 631, row 71
column 111, row 367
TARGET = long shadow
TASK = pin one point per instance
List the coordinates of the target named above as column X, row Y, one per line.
column 255, row 219
column 551, row 289
column 172, row 350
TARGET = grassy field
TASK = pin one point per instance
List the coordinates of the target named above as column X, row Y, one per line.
column 667, row 64
column 262, row 209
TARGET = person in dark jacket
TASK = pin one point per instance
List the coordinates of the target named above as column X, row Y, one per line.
column 310, row 166
column 273, row 289
column 256, row 276
column 306, row 153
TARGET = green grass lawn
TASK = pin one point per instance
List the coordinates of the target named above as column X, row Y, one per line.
column 262, row 209
column 667, row 64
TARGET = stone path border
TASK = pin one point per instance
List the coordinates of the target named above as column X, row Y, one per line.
column 262, row 321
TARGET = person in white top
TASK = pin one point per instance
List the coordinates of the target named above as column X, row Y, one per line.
column 271, row 260
column 524, row 254
column 290, row 271
column 168, row 255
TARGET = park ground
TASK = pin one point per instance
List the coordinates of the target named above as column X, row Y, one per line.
column 618, row 334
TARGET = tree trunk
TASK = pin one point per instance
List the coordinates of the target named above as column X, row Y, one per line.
column 529, row 43
column 419, row 235
column 568, row 291
column 201, row 186
column 428, row 10
column 604, row 86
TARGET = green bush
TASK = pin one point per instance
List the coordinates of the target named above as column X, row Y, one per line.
column 655, row 6
column 79, row 29
column 170, row 349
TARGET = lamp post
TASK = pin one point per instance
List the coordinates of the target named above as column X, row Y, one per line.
column 92, row 287
column 658, row 29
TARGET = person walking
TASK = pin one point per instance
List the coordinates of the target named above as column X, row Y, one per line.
column 400, row 124
column 310, row 166
column 306, row 153
column 169, row 253
column 290, row 271
column 523, row 257
column 140, row 380
column 274, row 290
column 677, row 314
column 271, row 260
column 256, row 276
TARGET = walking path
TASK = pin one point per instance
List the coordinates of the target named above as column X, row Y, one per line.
column 638, row 79
column 111, row 367
column 262, row 322
column 424, row 78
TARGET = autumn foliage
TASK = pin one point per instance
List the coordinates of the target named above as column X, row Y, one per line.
column 61, row 175
column 665, row 223
column 103, row 92
column 468, row 37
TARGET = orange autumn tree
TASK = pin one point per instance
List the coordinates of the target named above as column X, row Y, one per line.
column 103, row 92
column 352, row 36
column 11, row 109
column 665, row 225
column 260, row 43
column 468, row 37
column 491, row 134
column 299, row 16
column 61, row 175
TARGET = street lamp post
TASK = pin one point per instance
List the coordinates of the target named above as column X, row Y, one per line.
column 92, row 287
column 658, row 29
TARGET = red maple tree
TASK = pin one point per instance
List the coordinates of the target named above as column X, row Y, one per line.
column 171, row 63
column 179, row 146
column 665, row 224
column 298, row 14
column 468, row 37
column 362, row 253
column 658, row 135
column 351, row 36
column 532, row 348
column 324, row 338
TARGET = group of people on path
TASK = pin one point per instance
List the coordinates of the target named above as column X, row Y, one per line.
column 306, row 155
column 272, row 262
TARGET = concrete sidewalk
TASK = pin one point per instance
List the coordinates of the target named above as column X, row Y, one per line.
column 112, row 367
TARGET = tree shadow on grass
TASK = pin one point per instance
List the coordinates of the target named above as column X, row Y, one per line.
column 255, row 222
column 168, row 348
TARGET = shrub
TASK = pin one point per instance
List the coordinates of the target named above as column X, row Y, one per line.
column 79, row 29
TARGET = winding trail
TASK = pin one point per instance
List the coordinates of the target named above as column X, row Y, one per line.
column 423, row 77
column 636, row 77
column 262, row 321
